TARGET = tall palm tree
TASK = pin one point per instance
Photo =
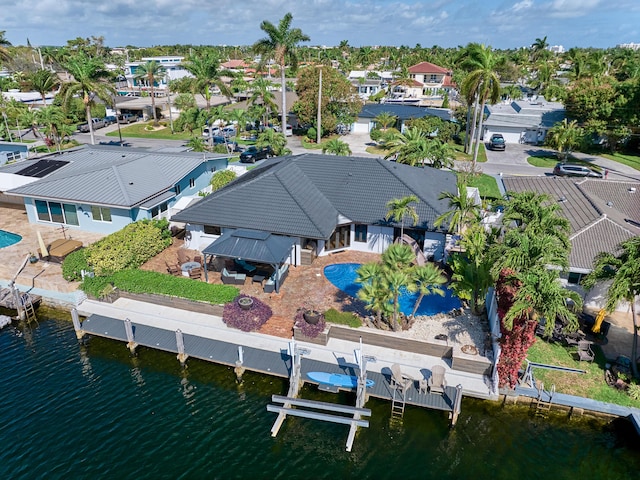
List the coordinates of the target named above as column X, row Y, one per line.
column 623, row 270
column 205, row 67
column 336, row 147
column 52, row 118
column 90, row 80
column 262, row 94
column 151, row 72
column 464, row 211
column 43, row 82
column 4, row 52
column 484, row 83
column 280, row 44
column 429, row 280
column 564, row 137
column 399, row 208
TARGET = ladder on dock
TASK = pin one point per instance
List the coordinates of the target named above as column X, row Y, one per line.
column 544, row 406
column 29, row 311
column 398, row 402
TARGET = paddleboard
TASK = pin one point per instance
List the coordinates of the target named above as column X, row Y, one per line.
column 337, row 379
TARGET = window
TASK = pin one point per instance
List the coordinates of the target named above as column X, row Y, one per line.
column 433, row 78
column 340, row 238
column 155, row 211
column 574, row 278
column 361, row 233
column 178, row 190
column 192, row 182
column 212, row 230
column 56, row 212
column 101, row 214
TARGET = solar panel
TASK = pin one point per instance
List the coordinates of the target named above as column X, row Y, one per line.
column 42, row 168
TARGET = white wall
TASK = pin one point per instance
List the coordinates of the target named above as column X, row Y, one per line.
column 596, row 298
column 434, row 245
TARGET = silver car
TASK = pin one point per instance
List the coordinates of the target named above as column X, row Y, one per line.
column 570, row 170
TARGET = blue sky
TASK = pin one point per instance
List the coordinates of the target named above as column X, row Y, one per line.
column 447, row 23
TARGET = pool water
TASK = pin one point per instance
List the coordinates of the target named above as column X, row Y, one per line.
column 7, row 238
column 343, row 276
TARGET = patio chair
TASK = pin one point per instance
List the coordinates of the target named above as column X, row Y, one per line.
column 198, row 258
column 183, row 257
column 195, row 273
column 399, row 380
column 437, row 382
column 584, row 351
column 173, row 269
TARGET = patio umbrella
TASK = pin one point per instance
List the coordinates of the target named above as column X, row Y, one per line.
column 43, row 248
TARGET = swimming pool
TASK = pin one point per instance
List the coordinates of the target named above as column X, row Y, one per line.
column 343, row 276
column 8, row 238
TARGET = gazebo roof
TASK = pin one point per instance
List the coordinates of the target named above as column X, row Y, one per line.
column 252, row 245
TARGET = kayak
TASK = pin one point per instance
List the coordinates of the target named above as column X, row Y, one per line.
column 337, row 379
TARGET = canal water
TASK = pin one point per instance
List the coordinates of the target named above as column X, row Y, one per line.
column 69, row 411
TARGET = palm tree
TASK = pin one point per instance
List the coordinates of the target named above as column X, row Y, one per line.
column 564, row 137
column 623, row 270
column 52, row 117
column 464, row 211
column 410, row 147
column 276, row 140
column 429, row 280
column 185, row 101
column 90, row 79
column 484, row 83
column 440, row 154
column 4, row 52
column 539, row 48
column 43, row 82
column 280, row 44
column 385, row 120
column 336, row 147
column 205, row 67
column 262, row 94
column 151, row 72
column 399, row 208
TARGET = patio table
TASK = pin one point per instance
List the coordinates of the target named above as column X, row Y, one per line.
column 258, row 279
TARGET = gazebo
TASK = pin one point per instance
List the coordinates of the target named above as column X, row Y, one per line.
column 252, row 246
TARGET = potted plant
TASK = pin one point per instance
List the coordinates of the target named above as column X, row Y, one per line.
column 245, row 302
column 311, row 315
column 33, row 258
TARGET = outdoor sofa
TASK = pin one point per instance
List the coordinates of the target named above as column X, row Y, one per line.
column 229, row 277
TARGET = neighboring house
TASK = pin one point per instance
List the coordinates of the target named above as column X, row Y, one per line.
column 428, row 82
column 13, row 151
column 601, row 213
column 33, row 99
column 323, row 204
column 173, row 70
column 522, row 121
column 366, row 118
column 368, row 82
column 101, row 189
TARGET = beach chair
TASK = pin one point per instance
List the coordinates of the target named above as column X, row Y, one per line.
column 399, row 380
column 183, row 257
column 173, row 269
column 437, row 382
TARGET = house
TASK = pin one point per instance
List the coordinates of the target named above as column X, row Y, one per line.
column 368, row 83
column 366, row 118
column 323, row 204
column 601, row 213
column 427, row 82
column 103, row 188
column 522, row 121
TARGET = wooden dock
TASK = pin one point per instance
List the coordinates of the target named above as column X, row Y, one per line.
column 285, row 363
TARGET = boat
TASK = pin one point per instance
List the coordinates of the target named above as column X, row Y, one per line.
column 337, row 379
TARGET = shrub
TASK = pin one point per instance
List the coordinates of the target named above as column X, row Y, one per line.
column 375, row 135
column 246, row 320
column 307, row 329
column 73, row 264
column 634, row 391
column 221, row 178
column 142, row 281
column 342, row 318
column 130, row 247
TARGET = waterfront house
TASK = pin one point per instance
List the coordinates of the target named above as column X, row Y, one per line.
column 323, row 204
column 103, row 188
column 426, row 82
column 366, row 118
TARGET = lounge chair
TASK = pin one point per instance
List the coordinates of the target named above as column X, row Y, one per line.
column 399, row 380
column 437, row 382
column 173, row 269
column 247, row 267
column 183, row 257
column 585, row 354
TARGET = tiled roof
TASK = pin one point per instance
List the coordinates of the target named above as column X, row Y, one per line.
column 426, row 67
column 113, row 176
column 306, row 195
column 596, row 211
column 403, row 112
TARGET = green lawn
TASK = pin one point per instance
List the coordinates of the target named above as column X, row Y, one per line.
column 137, row 130
column 629, row 160
column 588, row 385
column 465, row 157
column 487, row 185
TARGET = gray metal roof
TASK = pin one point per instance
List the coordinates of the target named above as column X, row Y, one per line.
column 305, row 195
column 252, row 245
column 603, row 235
column 114, row 176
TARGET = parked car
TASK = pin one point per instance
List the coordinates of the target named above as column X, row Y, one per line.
column 207, row 131
column 253, row 154
column 127, row 118
column 220, row 140
column 96, row 122
column 288, row 131
column 496, row 142
column 572, row 170
column 229, row 131
column 110, row 120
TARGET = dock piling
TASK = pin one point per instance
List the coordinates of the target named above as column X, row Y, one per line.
column 77, row 326
column 457, row 405
column 128, row 328
column 182, row 356
column 239, row 369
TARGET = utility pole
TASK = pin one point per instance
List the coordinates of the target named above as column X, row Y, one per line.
column 319, row 126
